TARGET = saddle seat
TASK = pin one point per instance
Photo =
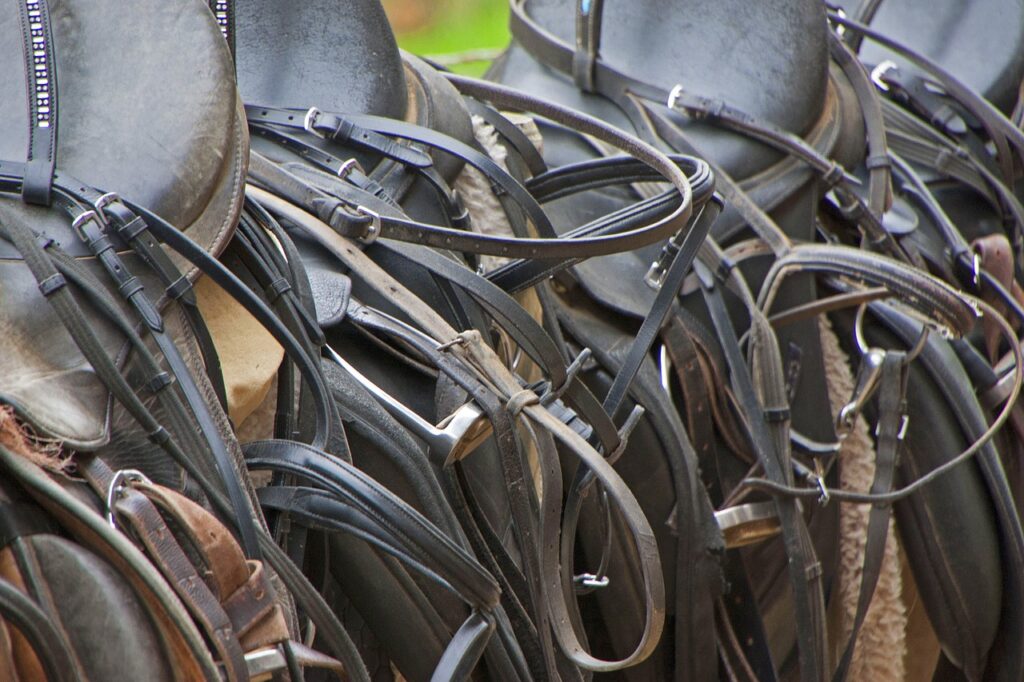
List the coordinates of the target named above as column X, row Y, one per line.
column 723, row 50
column 137, row 115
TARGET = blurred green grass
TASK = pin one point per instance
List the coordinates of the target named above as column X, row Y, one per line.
column 444, row 27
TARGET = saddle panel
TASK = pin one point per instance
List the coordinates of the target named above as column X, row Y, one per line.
column 980, row 42
column 953, row 550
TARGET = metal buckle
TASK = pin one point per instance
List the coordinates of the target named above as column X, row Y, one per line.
column 590, row 580
column 81, row 220
column 879, row 71
column 373, row 231
column 118, row 483
column 673, row 95
column 346, row 168
column 310, row 120
column 106, row 200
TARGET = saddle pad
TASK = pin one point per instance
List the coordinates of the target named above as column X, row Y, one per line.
column 147, row 109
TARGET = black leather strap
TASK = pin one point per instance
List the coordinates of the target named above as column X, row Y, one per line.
column 21, row 519
column 804, row 569
column 52, row 650
column 891, row 427
column 41, row 79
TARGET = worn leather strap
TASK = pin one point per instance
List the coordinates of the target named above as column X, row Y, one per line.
column 772, row 452
column 185, row 646
column 152, row 532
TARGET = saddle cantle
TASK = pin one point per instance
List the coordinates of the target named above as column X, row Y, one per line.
column 132, row 118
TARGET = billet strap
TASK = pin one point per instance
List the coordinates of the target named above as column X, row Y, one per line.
column 1001, row 130
column 186, row 649
column 92, row 229
column 41, row 77
column 151, row 531
column 877, row 162
column 475, row 354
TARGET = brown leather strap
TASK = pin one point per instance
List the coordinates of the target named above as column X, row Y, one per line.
column 141, row 515
column 995, row 256
column 189, row 657
column 242, row 586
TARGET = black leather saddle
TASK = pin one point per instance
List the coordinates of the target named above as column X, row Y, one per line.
column 586, row 53
column 155, row 133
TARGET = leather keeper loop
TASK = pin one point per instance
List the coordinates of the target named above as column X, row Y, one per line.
column 133, row 229
column 520, row 401
column 52, row 284
column 130, row 287
column 159, row 383
column 775, row 415
column 180, row 287
column 160, row 436
column 275, row 289
column 877, row 161
column 833, row 175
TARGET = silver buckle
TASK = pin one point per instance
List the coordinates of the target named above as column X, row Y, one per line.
column 346, row 168
column 879, row 71
column 106, row 200
column 373, row 231
column 118, row 483
column 310, row 120
column 82, row 219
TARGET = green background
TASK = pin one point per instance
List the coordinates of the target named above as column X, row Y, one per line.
column 442, row 27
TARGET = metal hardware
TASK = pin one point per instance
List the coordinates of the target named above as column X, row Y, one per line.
column 309, row 122
column 879, row 72
column 373, row 231
column 453, row 439
column 121, row 480
column 748, row 523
